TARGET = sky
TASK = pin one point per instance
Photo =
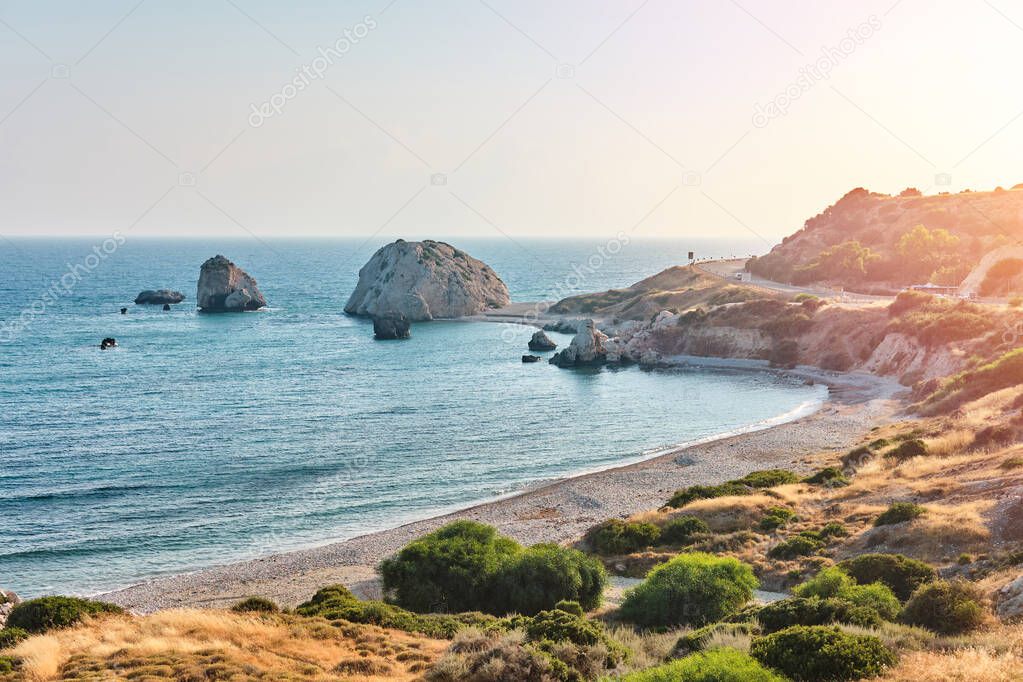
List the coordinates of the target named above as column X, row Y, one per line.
column 523, row 118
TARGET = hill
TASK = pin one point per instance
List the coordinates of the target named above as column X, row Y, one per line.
column 881, row 243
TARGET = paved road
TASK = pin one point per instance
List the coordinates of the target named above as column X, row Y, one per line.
column 728, row 269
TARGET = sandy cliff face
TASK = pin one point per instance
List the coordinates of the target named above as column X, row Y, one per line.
column 424, row 281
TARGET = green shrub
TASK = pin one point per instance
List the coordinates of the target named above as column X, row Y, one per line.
column 573, row 607
column 8, row 664
column 47, row 613
column 822, row 654
column 900, row 573
column 337, row 603
column 814, row 611
column 255, row 605
column 622, row 537
column 834, row 582
column 907, row 450
column 11, row 636
column 899, row 512
column 719, row 665
column 691, row 589
column 559, row 626
column 698, row 639
column 946, row 607
column 833, row 529
column 775, row 518
column 682, row 530
column 795, row 547
column 831, row 477
column 706, row 492
column 542, row 575
column 466, row 566
column 768, row 478
column 490, row 657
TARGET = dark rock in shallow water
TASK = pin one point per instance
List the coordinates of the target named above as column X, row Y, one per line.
column 531, row 358
column 386, row 327
column 541, row 342
column 166, row 306
column 107, row 343
column 226, row 288
column 159, row 297
column 124, row 311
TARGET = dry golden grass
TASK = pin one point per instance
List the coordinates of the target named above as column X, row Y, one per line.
column 200, row 645
column 965, row 665
column 940, row 535
column 729, row 514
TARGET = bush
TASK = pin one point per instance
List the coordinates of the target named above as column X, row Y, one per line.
column 543, row 575
column 899, row 512
column 47, row 613
column 768, row 478
column 822, row 654
column 814, row 611
column 691, row 589
column 336, row 603
column 559, row 626
column 835, row 583
column 706, row 492
column 907, row 450
column 255, row 605
column 486, row 658
column 795, row 547
column 833, row 529
column 467, row 566
column 946, row 607
column 775, row 518
column 900, row 573
column 573, row 607
column 831, row 477
column 8, row 664
column 682, row 530
column 719, row 665
column 9, row 637
column 698, row 639
column 622, row 537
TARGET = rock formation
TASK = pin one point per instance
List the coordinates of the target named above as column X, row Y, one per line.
column 226, row 288
column 159, row 297
column 587, row 348
column 393, row 326
column 541, row 341
column 8, row 600
column 107, row 343
column 424, row 281
column 531, row 358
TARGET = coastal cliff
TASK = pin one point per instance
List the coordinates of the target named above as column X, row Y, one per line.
column 424, row 281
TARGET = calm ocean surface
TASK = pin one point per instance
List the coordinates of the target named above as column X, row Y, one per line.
column 207, row 439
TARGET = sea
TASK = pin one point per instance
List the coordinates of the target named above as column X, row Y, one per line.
column 205, row 439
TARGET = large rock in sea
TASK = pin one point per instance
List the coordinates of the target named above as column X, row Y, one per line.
column 587, row 348
column 159, row 297
column 226, row 288
column 541, row 341
column 425, row 281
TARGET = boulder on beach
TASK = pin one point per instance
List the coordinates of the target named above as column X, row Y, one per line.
column 159, row 297
column 226, row 288
column 393, row 326
column 424, row 281
column 540, row 342
column 587, row 348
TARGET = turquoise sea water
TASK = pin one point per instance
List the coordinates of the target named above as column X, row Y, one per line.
column 207, row 439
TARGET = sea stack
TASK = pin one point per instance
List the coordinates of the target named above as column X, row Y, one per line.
column 226, row 288
column 541, row 342
column 425, row 281
column 587, row 348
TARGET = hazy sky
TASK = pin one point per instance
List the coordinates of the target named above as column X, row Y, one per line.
column 477, row 117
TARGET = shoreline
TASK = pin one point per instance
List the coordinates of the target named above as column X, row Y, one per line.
column 557, row 511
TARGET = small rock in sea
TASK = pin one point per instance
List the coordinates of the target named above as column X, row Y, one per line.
column 226, row 288
column 394, row 326
column 159, row 297
column 107, row 343
column 166, row 307
column 541, row 342
column 124, row 311
column 531, row 358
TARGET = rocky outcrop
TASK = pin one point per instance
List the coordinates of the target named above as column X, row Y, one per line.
column 387, row 327
column 587, row 348
column 226, row 288
column 8, row 600
column 424, row 281
column 541, row 342
column 107, row 343
column 1010, row 600
column 159, row 297
column 531, row 358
